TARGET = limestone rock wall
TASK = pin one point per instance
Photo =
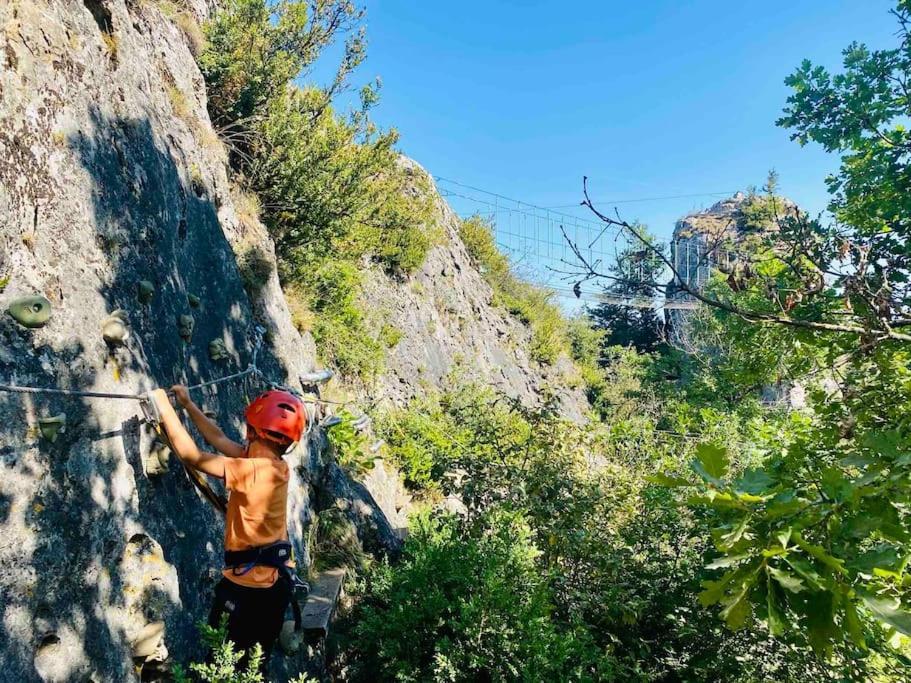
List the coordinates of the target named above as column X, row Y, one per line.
column 110, row 174
column 448, row 322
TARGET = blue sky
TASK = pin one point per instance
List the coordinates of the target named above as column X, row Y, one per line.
column 649, row 98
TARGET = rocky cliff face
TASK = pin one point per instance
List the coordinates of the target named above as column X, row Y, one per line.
column 111, row 176
column 449, row 324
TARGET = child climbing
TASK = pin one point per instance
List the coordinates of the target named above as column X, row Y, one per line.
column 258, row 583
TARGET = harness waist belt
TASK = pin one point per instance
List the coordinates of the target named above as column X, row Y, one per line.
column 275, row 555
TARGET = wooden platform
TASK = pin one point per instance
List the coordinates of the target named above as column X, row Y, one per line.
column 321, row 603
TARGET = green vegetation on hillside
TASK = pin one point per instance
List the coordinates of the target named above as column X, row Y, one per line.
column 568, row 562
column 530, row 304
column 332, row 188
column 690, row 533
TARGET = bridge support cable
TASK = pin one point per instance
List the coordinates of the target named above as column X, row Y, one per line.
column 539, row 243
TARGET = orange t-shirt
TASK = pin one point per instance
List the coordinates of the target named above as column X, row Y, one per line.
column 257, row 512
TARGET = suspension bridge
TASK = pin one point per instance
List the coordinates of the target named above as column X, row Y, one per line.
column 533, row 239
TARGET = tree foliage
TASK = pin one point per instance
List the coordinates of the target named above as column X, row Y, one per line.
column 633, row 275
column 332, row 189
column 611, row 562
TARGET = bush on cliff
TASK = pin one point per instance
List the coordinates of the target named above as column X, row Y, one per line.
column 332, row 187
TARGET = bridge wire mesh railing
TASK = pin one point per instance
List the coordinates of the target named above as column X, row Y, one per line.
column 533, row 239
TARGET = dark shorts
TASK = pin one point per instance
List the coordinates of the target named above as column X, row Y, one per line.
column 255, row 615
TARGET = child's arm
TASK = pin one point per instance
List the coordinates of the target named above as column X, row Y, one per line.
column 209, row 430
column 182, row 443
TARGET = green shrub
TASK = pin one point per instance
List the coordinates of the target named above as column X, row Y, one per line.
column 390, row 335
column 256, row 48
column 584, row 341
column 332, row 185
column 225, row 664
column 350, row 446
column 340, row 186
column 255, row 268
column 466, row 605
column 477, row 235
column 621, row 557
column 419, row 441
column 334, row 542
column 338, row 326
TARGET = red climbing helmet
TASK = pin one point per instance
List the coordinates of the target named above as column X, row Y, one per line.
column 278, row 416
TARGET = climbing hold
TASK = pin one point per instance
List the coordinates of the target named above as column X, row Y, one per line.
column 115, row 329
column 146, row 291
column 217, row 350
column 30, row 311
column 361, row 423
column 193, row 300
column 209, row 413
column 316, row 377
column 289, row 639
column 52, row 427
column 331, row 421
column 149, row 641
column 185, row 325
column 376, row 445
column 157, row 460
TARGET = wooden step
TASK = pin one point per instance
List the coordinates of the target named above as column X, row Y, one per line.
column 321, row 603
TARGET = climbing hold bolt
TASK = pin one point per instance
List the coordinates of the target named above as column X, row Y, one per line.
column 185, row 325
column 217, row 350
column 115, row 329
column 146, row 291
column 193, row 300
column 52, row 427
column 317, row 376
column 158, row 458
column 30, row 311
column 149, row 641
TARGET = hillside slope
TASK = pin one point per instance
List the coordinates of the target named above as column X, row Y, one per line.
column 449, row 323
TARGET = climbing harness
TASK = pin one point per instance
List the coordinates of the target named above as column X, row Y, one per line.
column 275, row 555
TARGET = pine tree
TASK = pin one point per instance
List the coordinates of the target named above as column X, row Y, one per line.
column 634, row 275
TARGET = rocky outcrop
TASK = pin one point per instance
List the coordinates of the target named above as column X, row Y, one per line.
column 448, row 323
column 712, row 238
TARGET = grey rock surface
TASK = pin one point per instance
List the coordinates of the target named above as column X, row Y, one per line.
column 110, row 174
column 449, row 323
